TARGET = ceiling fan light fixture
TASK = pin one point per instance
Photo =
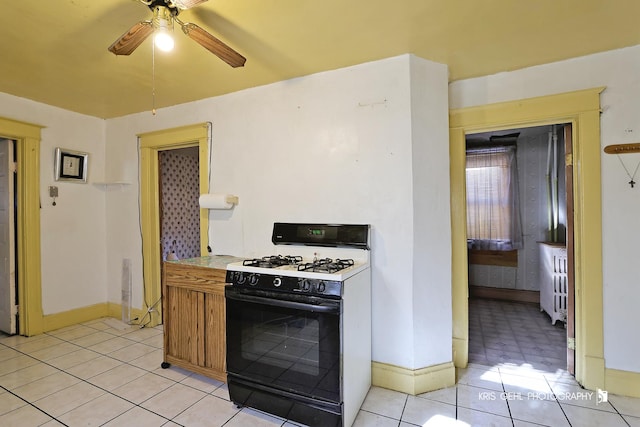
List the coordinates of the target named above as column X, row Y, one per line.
column 163, row 24
column 163, row 40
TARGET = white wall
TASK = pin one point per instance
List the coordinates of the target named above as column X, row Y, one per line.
column 331, row 147
column 73, row 231
column 619, row 71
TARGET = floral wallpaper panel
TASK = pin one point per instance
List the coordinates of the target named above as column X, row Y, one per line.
column 179, row 209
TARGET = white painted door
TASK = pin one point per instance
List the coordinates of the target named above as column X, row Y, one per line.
column 8, row 308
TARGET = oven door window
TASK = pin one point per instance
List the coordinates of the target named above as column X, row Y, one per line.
column 291, row 349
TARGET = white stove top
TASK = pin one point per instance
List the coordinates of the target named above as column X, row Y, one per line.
column 292, row 271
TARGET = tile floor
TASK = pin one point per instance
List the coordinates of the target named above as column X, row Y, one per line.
column 95, row 374
column 511, row 332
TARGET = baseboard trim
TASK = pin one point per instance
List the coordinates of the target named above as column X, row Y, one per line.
column 51, row 322
column 517, row 295
column 413, row 381
column 623, row 383
column 63, row 319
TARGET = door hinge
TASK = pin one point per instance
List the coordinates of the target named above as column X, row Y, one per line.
column 568, row 159
column 571, row 343
column 13, row 167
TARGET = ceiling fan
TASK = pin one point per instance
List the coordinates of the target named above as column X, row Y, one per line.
column 165, row 12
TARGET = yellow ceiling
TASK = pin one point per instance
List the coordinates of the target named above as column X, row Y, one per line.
column 55, row 52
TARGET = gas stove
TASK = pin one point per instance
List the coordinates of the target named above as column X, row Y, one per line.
column 344, row 249
column 299, row 326
column 293, row 273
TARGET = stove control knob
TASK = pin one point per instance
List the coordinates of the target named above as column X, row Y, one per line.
column 277, row 282
column 253, row 279
column 304, row 285
column 321, row 287
column 240, row 278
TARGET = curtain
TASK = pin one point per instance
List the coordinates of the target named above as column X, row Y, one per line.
column 493, row 204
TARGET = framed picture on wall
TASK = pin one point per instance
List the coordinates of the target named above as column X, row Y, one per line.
column 71, row 165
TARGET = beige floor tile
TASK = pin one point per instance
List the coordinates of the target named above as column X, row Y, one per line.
column 209, row 411
column 7, row 353
column 70, row 398
column 423, row 411
column 45, row 386
column 202, row 383
column 473, row 418
column 111, row 345
column 578, row 396
column 538, row 411
column 251, row 417
column 14, row 340
column 527, row 387
column 626, row 405
column 92, row 339
column 73, row 359
column 97, row 411
column 173, row 401
column 140, row 335
column 486, row 378
column 16, row 363
column 117, row 377
column 484, row 400
column 150, row 361
column 156, row 342
column 54, row 351
column 445, row 395
column 139, row 417
column 72, row 333
column 9, row 402
column 632, row 421
column 26, row 375
column 387, row 403
column 31, row 346
column 94, row 367
column 25, row 416
column 173, row 373
column 368, row 419
column 222, row 392
column 53, row 423
column 143, row 388
column 583, row 417
column 132, row 352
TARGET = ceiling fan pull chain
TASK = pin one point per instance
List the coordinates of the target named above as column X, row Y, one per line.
column 153, row 79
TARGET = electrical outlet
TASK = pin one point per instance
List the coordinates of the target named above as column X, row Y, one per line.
column 53, row 191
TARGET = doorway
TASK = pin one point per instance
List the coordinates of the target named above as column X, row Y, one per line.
column 179, row 211
column 8, row 232
column 150, row 144
column 517, row 234
column 582, row 110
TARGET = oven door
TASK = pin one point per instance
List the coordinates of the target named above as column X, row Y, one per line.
column 288, row 343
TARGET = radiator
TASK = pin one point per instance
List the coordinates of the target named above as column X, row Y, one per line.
column 553, row 281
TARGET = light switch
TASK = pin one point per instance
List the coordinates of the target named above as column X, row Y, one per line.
column 53, row 191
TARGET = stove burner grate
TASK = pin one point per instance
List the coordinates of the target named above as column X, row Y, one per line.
column 326, row 265
column 273, row 261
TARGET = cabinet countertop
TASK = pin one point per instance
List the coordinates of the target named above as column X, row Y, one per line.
column 214, row 261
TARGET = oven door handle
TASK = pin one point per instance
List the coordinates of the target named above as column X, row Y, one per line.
column 330, row 307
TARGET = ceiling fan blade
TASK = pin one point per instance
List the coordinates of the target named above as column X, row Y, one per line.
column 213, row 45
column 187, row 4
column 130, row 40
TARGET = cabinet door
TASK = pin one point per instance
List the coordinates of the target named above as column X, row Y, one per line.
column 184, row 323
column 215, row 336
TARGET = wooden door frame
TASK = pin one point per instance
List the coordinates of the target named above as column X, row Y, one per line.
column 582, row 110
column 30, row 313
column 149, row 145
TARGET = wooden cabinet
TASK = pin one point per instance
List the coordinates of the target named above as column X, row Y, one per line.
column 194, row 319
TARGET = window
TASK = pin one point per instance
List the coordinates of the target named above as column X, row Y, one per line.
column 493, row 215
